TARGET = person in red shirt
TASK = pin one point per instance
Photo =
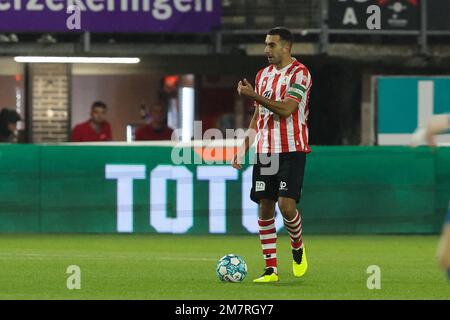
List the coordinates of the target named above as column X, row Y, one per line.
column 96, row 128
column 157, row 129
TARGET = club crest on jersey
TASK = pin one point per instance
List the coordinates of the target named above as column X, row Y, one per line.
column 267, row 94
column 264, row 84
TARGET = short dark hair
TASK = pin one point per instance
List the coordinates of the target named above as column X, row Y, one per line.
column 158, row 104
column 98, row 104
column 284, row 33
column 9, row 116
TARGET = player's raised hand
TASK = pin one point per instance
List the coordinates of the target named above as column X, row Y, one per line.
column 245, row 89
column 436, row 124
column 430, row 139
column 423, row 136
column 418, row 137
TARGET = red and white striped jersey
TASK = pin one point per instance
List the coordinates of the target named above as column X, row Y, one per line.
column 276, row 134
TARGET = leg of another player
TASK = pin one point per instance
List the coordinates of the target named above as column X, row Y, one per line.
column 444, row 247
column 293, row 223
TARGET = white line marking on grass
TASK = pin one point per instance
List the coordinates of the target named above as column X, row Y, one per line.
column 96, row 257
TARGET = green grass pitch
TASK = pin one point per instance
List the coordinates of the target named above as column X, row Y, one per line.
column 183, row 267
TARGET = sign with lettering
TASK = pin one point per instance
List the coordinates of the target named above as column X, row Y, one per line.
column 110, row 15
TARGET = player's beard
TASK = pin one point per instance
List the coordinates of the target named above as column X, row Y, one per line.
column 273, row 60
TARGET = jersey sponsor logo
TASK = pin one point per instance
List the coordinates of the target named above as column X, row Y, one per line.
column 267, row 94
column 260, row 186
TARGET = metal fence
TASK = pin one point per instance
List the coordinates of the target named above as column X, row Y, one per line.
column 420, row 19
column 244, row 21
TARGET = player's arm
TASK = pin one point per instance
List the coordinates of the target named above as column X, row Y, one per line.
column 437, row 124
column 250, row 134
column 249, row 138
column 283, row 108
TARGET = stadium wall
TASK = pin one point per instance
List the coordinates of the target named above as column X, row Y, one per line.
column 111, row 189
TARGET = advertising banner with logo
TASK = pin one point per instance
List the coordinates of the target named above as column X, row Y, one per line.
column 394, row 14
column 141, row 189
column 110, row 15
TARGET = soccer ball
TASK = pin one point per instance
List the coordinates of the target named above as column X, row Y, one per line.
column 231, row 268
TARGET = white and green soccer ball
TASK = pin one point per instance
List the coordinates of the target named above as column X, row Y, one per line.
column 231, row 268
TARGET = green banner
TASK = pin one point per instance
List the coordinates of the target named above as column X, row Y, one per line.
column 140, row 189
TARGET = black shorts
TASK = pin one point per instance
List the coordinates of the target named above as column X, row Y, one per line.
column 287, row 181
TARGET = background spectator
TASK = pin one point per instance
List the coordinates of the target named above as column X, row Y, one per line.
column 157, row 129
column 238, row 118
column 8, row 125
column 96, row 128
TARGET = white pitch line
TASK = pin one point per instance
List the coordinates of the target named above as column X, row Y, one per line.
column 88, row 257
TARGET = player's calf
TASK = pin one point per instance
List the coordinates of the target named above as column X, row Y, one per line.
column 444, row 247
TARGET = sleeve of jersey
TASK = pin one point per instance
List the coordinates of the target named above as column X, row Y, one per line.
column 297, row 90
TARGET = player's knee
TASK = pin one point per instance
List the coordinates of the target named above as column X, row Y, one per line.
column 266, row 209
column 287, row 208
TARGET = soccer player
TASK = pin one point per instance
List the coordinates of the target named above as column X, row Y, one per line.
column 279, row 125
column 437, row 124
